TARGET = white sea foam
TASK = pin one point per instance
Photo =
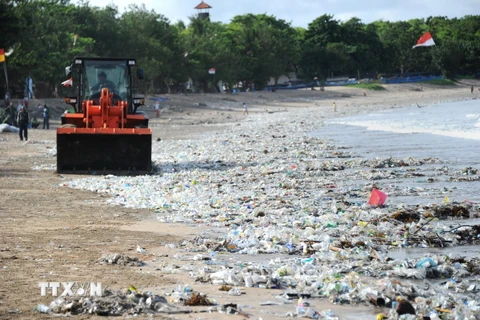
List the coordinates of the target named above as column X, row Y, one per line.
column 473, row 115
column 451, row 119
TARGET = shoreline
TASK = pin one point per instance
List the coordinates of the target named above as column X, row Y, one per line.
column 190, row 167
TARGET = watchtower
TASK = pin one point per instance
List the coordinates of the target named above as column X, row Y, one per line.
column 203, row 10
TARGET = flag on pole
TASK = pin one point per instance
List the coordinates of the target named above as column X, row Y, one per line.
column 211, row 71
column 425, row 41
column 67, row 83
column 2, row 55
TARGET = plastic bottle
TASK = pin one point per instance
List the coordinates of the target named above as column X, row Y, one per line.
column 248, row 281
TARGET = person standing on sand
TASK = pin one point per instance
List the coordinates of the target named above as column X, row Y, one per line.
column 471, row 89
column 334, row 107
column 22, row 120
column 39, row 109
column 7, row 99
column 245, row 109
column 46, row 117
column 157, row 109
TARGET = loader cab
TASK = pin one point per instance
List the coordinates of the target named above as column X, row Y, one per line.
column 113, row 75
column 119, row 75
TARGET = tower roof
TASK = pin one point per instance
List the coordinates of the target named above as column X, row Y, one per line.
column 203, row 5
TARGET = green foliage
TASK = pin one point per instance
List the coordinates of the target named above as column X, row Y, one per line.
column 332, row 48
column 465, row 77
column 451, row 56
column 367, row 86
column 250, row 49
column 9, row 24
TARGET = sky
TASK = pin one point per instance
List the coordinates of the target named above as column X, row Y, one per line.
column 301, row 12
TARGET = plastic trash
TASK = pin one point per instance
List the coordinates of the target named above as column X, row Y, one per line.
column 377, row 198
column 140, row 249
column 300, row 213
column 235, row 292
column 426, row 263
column 311, row 314
column 43, row 308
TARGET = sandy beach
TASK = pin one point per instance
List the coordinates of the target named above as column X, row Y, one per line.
column 54, row 231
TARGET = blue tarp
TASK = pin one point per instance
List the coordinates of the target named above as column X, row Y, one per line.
column 340, row 83
column 158, row 99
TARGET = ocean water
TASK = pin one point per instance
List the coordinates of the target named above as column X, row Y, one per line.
column 455, row 120
column 449, row 132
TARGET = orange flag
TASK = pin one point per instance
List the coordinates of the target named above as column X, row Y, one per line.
column 2, row 55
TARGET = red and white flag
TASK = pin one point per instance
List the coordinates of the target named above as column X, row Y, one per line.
column 211, row 71
column 67, row 83
column 425, row 41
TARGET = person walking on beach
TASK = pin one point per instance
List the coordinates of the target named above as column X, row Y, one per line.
column 334, row 107
column 245, row 109
column 471, row 89
column 7, row 99
column 157, row 109
column 23, row 122
column 46, row 117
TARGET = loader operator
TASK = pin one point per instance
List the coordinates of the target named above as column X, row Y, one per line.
column 103, row 83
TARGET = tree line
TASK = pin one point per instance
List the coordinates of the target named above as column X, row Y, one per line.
column 250, row 49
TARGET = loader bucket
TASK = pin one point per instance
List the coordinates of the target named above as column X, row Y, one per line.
column 102, row 151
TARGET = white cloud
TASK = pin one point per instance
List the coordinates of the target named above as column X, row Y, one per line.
column 302, row 12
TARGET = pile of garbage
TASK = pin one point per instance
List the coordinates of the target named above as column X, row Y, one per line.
column 132, row 303
column 299, row 196
column 119, row 303
column 120, row 259
column 320, row 275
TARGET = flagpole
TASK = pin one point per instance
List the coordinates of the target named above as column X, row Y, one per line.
column 214, row 85
column 6, row 75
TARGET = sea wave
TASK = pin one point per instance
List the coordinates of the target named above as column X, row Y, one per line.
column 391, row 127
column 473, row 116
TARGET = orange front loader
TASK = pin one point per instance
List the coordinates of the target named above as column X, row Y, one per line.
column 106, row 133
